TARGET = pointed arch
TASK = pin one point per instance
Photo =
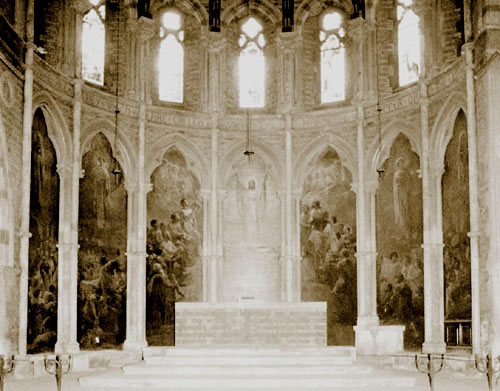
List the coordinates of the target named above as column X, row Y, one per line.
column 378, row 154
column 239, row 9
column 57, row 127
column 125, row 153
column 6, row 206
column 442, row 130
column 235, row 153
column 192, row 153
column 190, row 7
column 316, row 147
column 307, row 8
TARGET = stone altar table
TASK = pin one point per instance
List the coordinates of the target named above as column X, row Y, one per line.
column 250, row 323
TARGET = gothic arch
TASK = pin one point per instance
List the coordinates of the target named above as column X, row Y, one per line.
column 57, row 128
column 377, row 154
column 307, row 8
column 190, row 7
column 6, row 215
column 235, row 153
column 442, row 131
column 125, row 155
column 239, row 9
column 312, row 150
column 191, row 152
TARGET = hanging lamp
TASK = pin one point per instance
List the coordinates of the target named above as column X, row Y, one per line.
column 116, row 170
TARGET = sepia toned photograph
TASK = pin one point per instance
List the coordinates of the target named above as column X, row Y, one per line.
column 249, row 195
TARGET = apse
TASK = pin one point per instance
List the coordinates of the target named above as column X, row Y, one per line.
column 44, row 222
column 456, row 252
column 328, row 244
column 102, row 232
column 400, row 278
column 174, row 241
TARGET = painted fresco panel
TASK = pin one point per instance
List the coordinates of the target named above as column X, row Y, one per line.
column 328, row 243
column 174, row 240
column 44, row 219
column 456, row 217
column 102, row 267
column 400, row 279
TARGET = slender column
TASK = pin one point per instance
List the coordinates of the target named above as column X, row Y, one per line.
column 297, row 196
column 26, row 179
column 474, row 233
column 288, row 44
column 214, row 217
column 136, row 257
column 290, row 294
column 433, row 247
column 132, row 57
column 205, row 195
column 366, row 256
column 215, row 58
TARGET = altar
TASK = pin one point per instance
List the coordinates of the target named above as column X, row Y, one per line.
column 251, row 323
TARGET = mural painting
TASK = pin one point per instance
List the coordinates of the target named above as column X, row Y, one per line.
column 328, row 243
column 456, row 252
column 251, row 232
column 400, row 278
column 44, row 221
column 102, row 267
column 174, row 239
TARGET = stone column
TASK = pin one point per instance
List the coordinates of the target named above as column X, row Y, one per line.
column 297, row 197
column 26, row 180
column 136, row 249
column 474, row 233
column 433, row 246
column 206, row 246
column 67, row 269
column 291, row 294
column 215, row 240
column 428, row 13
column 366, row 255
column 289, row 92
column 213, row 79
column 132, row 57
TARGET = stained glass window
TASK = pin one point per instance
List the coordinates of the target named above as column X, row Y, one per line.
column 93, row 43
column 408, row 43
column 332, row 57
column 171, row 58
column 252, row 64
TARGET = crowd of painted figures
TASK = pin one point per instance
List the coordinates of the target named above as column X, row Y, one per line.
column 456, row 257
column 101, row 298
column 172, row 248
column 42, row 309
column 400, row 286
column 331, row 246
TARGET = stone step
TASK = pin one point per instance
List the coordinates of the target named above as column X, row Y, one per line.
column 230, row 382
column 216, row 370
column 337, row 351
column 245, row 361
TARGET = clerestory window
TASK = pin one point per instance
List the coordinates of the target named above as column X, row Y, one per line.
column 252, row 64
column 93, row 42
column 408, row 42
column 331, row 36
column 171, row 58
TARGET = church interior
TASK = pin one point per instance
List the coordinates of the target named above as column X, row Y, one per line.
column 254, row 180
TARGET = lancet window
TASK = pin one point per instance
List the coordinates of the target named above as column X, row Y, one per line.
column 171, row 57
column 331, row 36
column 408, row 42
column 93, row 42
column 252, row 64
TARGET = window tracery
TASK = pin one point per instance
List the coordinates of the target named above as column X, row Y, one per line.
column 93, row 42
column 331, row 36
column 171, row 57
column 252, row 64
column 408, row 42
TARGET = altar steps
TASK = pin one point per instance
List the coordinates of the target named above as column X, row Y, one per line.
column 245, row 369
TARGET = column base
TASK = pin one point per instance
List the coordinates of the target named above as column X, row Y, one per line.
column 379, row 340
column 134, row 346
column 69, row 348
column 434, row 347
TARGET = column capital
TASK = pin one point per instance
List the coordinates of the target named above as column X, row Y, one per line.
column 288, row 42
column 146, row 29
column 474, row 234
column 22, row 234
column 205, row 193
column 131, row 186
